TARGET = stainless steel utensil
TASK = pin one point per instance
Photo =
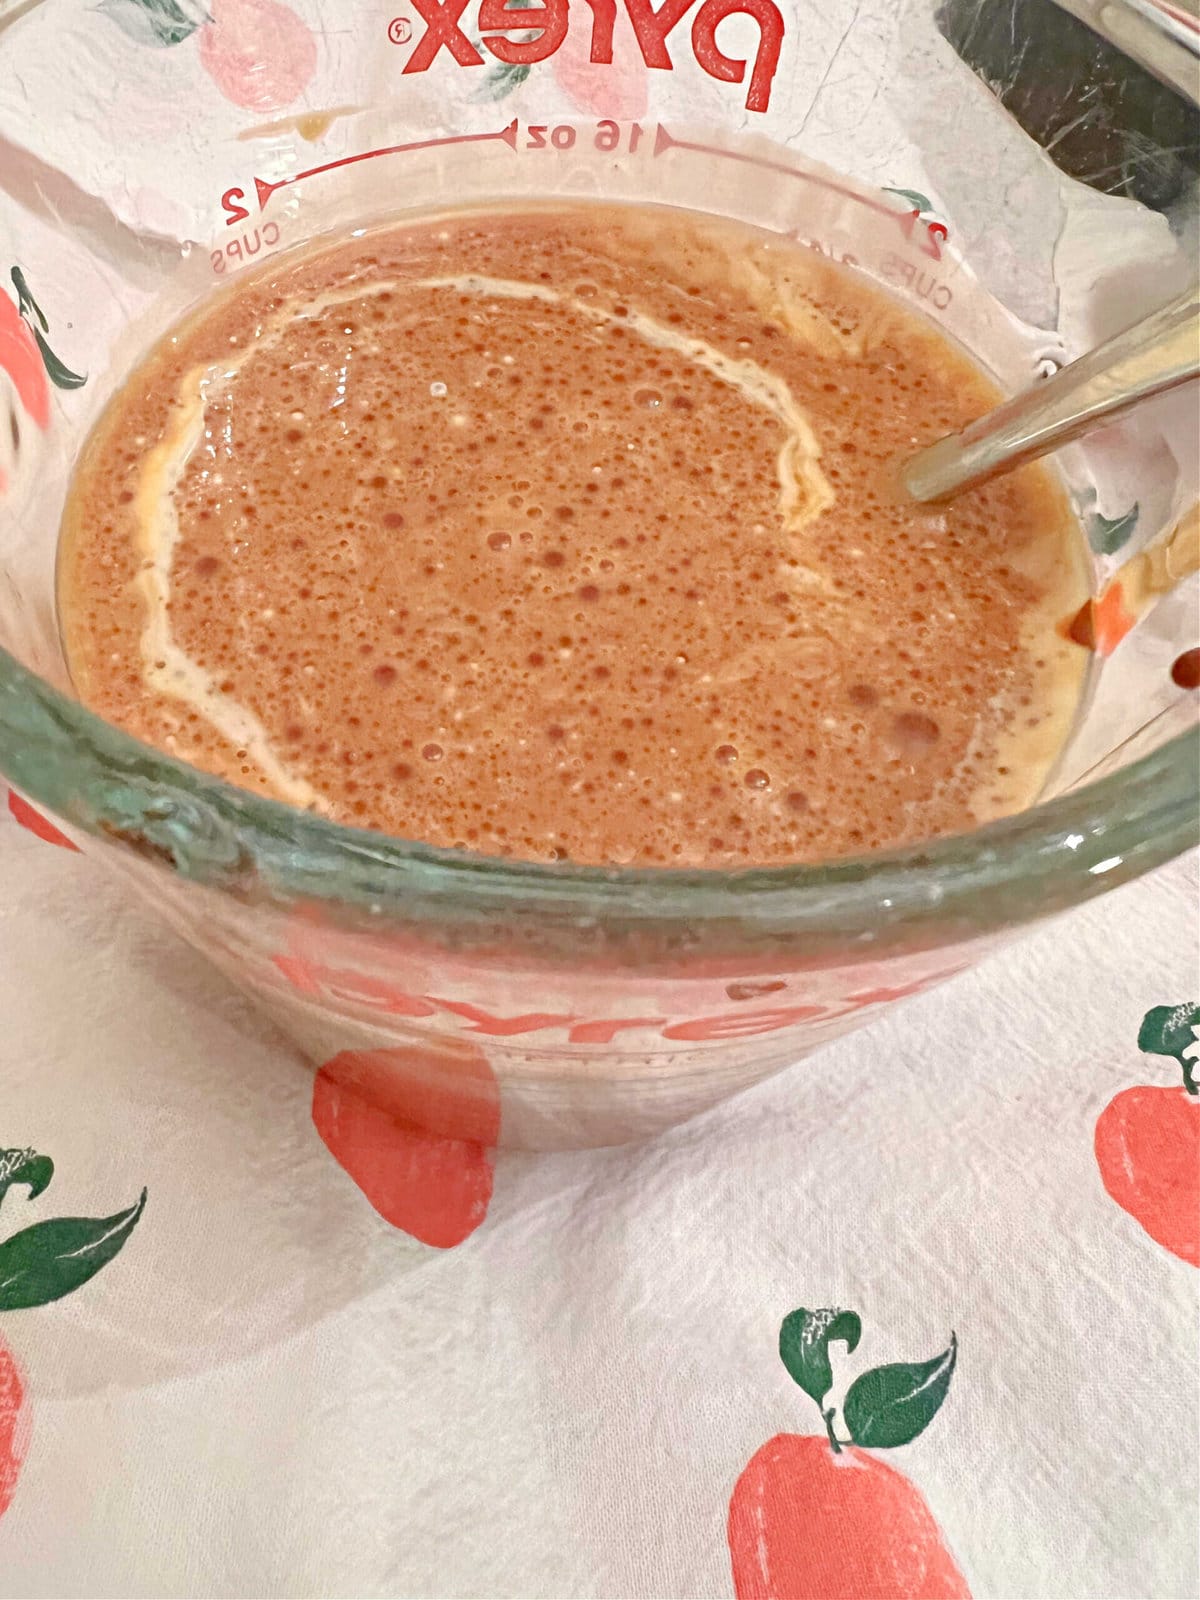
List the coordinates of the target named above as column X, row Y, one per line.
column 1158, row 353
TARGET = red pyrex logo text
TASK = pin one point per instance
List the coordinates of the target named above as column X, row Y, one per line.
column 344, row 987
column 547, row 23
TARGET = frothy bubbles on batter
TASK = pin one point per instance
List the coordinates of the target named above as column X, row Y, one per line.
column 804, row 491
column 567, row 532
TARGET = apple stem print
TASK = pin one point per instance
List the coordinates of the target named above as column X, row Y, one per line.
column 1148, row 1138
column 816, row 1516
column 39, row 1264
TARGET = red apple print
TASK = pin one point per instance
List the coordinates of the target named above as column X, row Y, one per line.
column 22, row 360
column 1148, row 1139
column 1101, row 624
column 805, row 1522
column 818, row 1517
column 257, row 52
column 615, row 90
column 414, row 1127
column 22, row 812
column 1111, row 618
column 14, row 1425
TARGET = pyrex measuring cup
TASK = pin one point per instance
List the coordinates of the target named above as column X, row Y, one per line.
column 152, row 150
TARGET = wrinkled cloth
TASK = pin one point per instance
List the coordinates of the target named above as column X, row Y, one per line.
column 272, row 1391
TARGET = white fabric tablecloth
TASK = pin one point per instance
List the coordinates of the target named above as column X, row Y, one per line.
column 271, row 1391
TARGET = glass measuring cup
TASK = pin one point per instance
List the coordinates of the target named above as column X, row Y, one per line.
column 478, row 999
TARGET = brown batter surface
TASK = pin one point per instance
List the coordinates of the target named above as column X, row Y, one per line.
column 569, row 532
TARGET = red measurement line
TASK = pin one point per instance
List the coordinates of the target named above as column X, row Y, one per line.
column 1183, row 17
column 265, row 190
column 665, row 140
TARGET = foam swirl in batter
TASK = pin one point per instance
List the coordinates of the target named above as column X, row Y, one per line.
column 569, row 532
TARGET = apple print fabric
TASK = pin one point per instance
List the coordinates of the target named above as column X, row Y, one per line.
column 39, row 1263
column 416, row 1132
column 1148, row 1138
column 914, row 1320
column 818, row 1517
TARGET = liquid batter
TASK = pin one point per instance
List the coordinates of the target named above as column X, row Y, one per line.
column 570, row 533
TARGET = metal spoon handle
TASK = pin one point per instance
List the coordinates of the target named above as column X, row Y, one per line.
column 1158, row 353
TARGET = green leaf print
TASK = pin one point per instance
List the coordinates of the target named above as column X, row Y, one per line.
column 60, row 376
column 158, row 23
column 501, row 79
column 58, row 372
column 890, row 1406
column 26, row 304
column 885, row 1407
column 1106, row 535
column 1172, row 1031
column 914, row 197
column 804, row 1340
column 25, row 1166
column 50, row 1259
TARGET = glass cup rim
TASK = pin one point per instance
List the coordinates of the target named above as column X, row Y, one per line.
column 102, row 780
